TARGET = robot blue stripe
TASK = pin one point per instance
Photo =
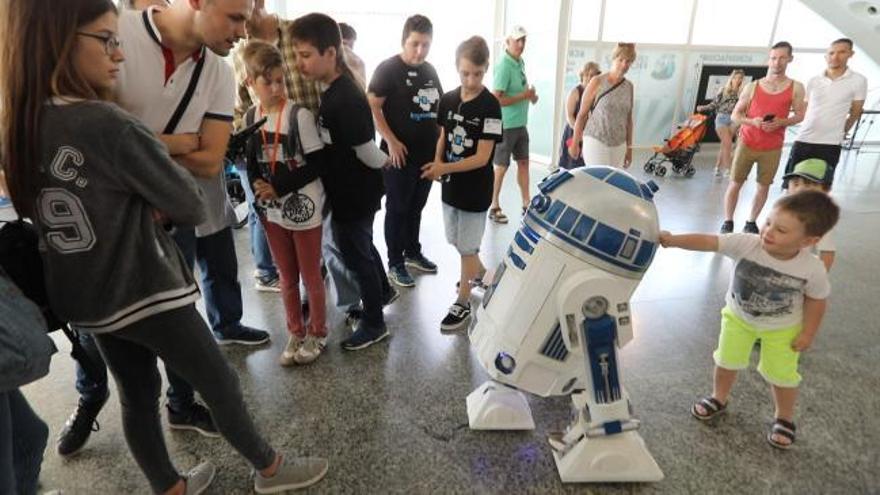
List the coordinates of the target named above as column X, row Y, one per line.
column 635, row 232
column 554, row 346
column 555, row 210
column 523, row 243
column 625, row 183
column 646, row 252
column 607, row 239
column 646, row 192
column 599, row 172
column 584, row 248
column 554, row 180
column 530, row 234
column 517, row 261
column 568, row 218
column 582, row 229
column 612, row 427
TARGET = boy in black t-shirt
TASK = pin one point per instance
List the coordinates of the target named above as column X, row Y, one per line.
column 352, row 179
column 470, row 121
column 404, row 94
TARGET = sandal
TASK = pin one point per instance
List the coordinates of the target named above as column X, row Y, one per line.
column 781, row 428
column 712, row 407
column 497, row 216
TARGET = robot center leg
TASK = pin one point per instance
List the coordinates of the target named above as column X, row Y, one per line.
column 495, row 406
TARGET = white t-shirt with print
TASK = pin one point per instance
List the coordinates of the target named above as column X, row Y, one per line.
column 299, row 210
column 766, row 292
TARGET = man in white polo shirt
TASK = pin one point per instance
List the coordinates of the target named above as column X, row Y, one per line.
column 835, row 99
column 164, row 47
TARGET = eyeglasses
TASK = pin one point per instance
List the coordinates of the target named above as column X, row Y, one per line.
column 111, row 41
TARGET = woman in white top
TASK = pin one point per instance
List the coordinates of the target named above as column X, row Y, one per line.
column 605, row 117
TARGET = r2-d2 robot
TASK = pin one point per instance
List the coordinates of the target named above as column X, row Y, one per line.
column 556, row 312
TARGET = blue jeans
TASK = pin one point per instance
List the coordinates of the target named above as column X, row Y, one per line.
column 355, row 242
column 405, row 196
column 23, row 437
column 93, row 389
column 259, row 244
column 219, row 269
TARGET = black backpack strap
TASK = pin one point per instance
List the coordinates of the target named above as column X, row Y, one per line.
column 293, row 140
column 187, row 96
column 612, row 88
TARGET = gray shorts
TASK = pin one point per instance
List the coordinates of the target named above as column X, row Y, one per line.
column 513, row 142
column 464, row 229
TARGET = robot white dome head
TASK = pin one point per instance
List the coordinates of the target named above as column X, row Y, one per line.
column 602, row 215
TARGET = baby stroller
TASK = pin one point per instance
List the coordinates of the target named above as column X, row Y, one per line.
column 680, row 148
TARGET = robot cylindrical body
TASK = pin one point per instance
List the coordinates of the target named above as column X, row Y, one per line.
column 582, row 248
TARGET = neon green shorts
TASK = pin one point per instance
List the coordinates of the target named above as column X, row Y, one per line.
column 778, row 363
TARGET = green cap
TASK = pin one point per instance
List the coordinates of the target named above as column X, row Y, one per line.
column 812, row 169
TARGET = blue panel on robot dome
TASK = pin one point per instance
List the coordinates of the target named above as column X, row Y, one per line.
column 517, row 261
column 645, row 253
column 553, row 181
column 646, row 193
column 599, row 172
column 554, row 211
column 568, row 218
column 625, row 183
column 523, row 243
column 607, row 239
column 583, row 228
column 629, row 248
column 530, row 234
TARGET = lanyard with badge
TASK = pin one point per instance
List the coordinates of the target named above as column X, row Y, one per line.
column 273, row 160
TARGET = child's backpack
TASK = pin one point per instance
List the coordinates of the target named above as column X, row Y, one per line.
column 293, row 141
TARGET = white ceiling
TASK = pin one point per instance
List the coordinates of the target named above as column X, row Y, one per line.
column 857, row 19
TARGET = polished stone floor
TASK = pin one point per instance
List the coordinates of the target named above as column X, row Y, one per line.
column 392, row 418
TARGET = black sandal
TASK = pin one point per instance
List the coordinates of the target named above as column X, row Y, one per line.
column 712, row 407
column 782, row 428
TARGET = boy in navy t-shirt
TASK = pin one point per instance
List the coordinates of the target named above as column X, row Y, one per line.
column 352, row 179
column 470, row 121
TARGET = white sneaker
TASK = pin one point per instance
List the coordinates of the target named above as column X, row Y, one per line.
column 199, row 478
column 293, row 473
column 288, row 356
column 309, row 351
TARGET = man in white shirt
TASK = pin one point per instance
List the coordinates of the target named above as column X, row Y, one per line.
column 835, row 99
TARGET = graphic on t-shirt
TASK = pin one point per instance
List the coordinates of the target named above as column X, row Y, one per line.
column 458, row 140
column 426, row 98
column 298, row 208
column 764, row 292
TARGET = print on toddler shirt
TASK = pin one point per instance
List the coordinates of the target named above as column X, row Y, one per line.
column 764, row 292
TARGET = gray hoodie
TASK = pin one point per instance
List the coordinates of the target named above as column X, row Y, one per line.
column 108, row 263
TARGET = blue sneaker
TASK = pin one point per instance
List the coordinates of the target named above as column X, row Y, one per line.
column 364, row 337
column 244, row 336
column 400, row 276
column 5, row 202
column 420, row 263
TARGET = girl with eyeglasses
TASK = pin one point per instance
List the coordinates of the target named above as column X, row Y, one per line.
column 90, row 176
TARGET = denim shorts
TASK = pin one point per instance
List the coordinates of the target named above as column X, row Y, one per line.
column 723, row 120
column 464, row 229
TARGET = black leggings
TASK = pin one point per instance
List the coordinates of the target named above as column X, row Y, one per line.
column 181, row 338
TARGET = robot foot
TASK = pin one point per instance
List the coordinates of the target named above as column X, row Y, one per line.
column 614, row 458
column 493, row 406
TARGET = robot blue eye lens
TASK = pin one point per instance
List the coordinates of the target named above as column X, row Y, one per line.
column 505, row 363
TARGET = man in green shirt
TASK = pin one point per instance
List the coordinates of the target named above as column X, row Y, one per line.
column 514, row 93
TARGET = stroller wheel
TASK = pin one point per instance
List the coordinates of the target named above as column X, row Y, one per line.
column 649, row 166
column 661, row 171
column 690, row 171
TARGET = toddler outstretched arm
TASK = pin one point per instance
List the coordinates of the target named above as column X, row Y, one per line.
column 814, row 310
